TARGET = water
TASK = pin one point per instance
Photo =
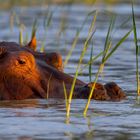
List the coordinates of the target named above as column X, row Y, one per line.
column 41, row 119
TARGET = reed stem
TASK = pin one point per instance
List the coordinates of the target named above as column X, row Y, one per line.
column 92, row 89
column 137, row 51
column 90, row 35
column 106, row 56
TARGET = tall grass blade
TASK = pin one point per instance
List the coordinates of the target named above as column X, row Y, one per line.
column 72, row 48
column 91, row 61
column 20, row 37
column 90, row 65
column 101, row 67
column 26, row 38
column 76, row 75
column 92, row 90
column 77, row 36
column 12, row 17
column 48, row 19
column 42, row 46
column 21, row 28
column 90, row 35
column 125, row 22
column 106, row 49
column 63, row 24
column 65, row 94
column 108, row 37
column 34, row 28
column 137, row 51
column 47, row 24
column 117, row 45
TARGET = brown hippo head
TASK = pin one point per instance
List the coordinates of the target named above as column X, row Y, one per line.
column 52, row 58
column 25, row 74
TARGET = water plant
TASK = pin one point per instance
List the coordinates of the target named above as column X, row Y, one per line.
column 77, row 36
column 90, row 64
column 47, row 19
column 65, row 94
column 20, row 36
column 88, row 39
column 33, row 36
column 24, row 41
column 46, row 24
column 107, row 53
column 137, row 51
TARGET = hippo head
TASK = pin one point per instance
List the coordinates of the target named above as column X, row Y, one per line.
column 20, row 77
column 53, row 59
column 26, row 74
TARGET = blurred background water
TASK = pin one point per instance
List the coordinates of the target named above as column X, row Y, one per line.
column 45, row 119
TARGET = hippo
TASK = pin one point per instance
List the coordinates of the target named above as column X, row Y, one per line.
column 28, row 74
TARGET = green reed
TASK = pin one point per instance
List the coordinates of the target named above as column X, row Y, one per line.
column 63, row 23
column 137, row 51
column 21, row 37
column 14, row 19
column 65, row 94
column 106, row 48
column 77, row 37
column 90, row 35
column 108, row 39
column 47, row 24
column 34, row 28
column 90, row 64
column 91, row 61
column 106, row 55
column 117, row 45
column 48, row 19
column 24, row 41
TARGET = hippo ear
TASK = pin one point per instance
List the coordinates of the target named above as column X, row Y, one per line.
column 33, row 43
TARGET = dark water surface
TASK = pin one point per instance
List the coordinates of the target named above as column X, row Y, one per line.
column 45, row 119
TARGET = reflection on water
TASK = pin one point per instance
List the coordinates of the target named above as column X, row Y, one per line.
column 41, row 119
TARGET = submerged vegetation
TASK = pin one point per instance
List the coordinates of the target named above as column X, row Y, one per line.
column 106, row 53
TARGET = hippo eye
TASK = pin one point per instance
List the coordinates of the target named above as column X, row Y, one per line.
column 21, row 61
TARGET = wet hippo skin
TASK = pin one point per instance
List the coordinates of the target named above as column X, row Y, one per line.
column 26, row 74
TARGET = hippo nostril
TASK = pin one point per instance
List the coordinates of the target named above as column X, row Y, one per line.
column 3, row 52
